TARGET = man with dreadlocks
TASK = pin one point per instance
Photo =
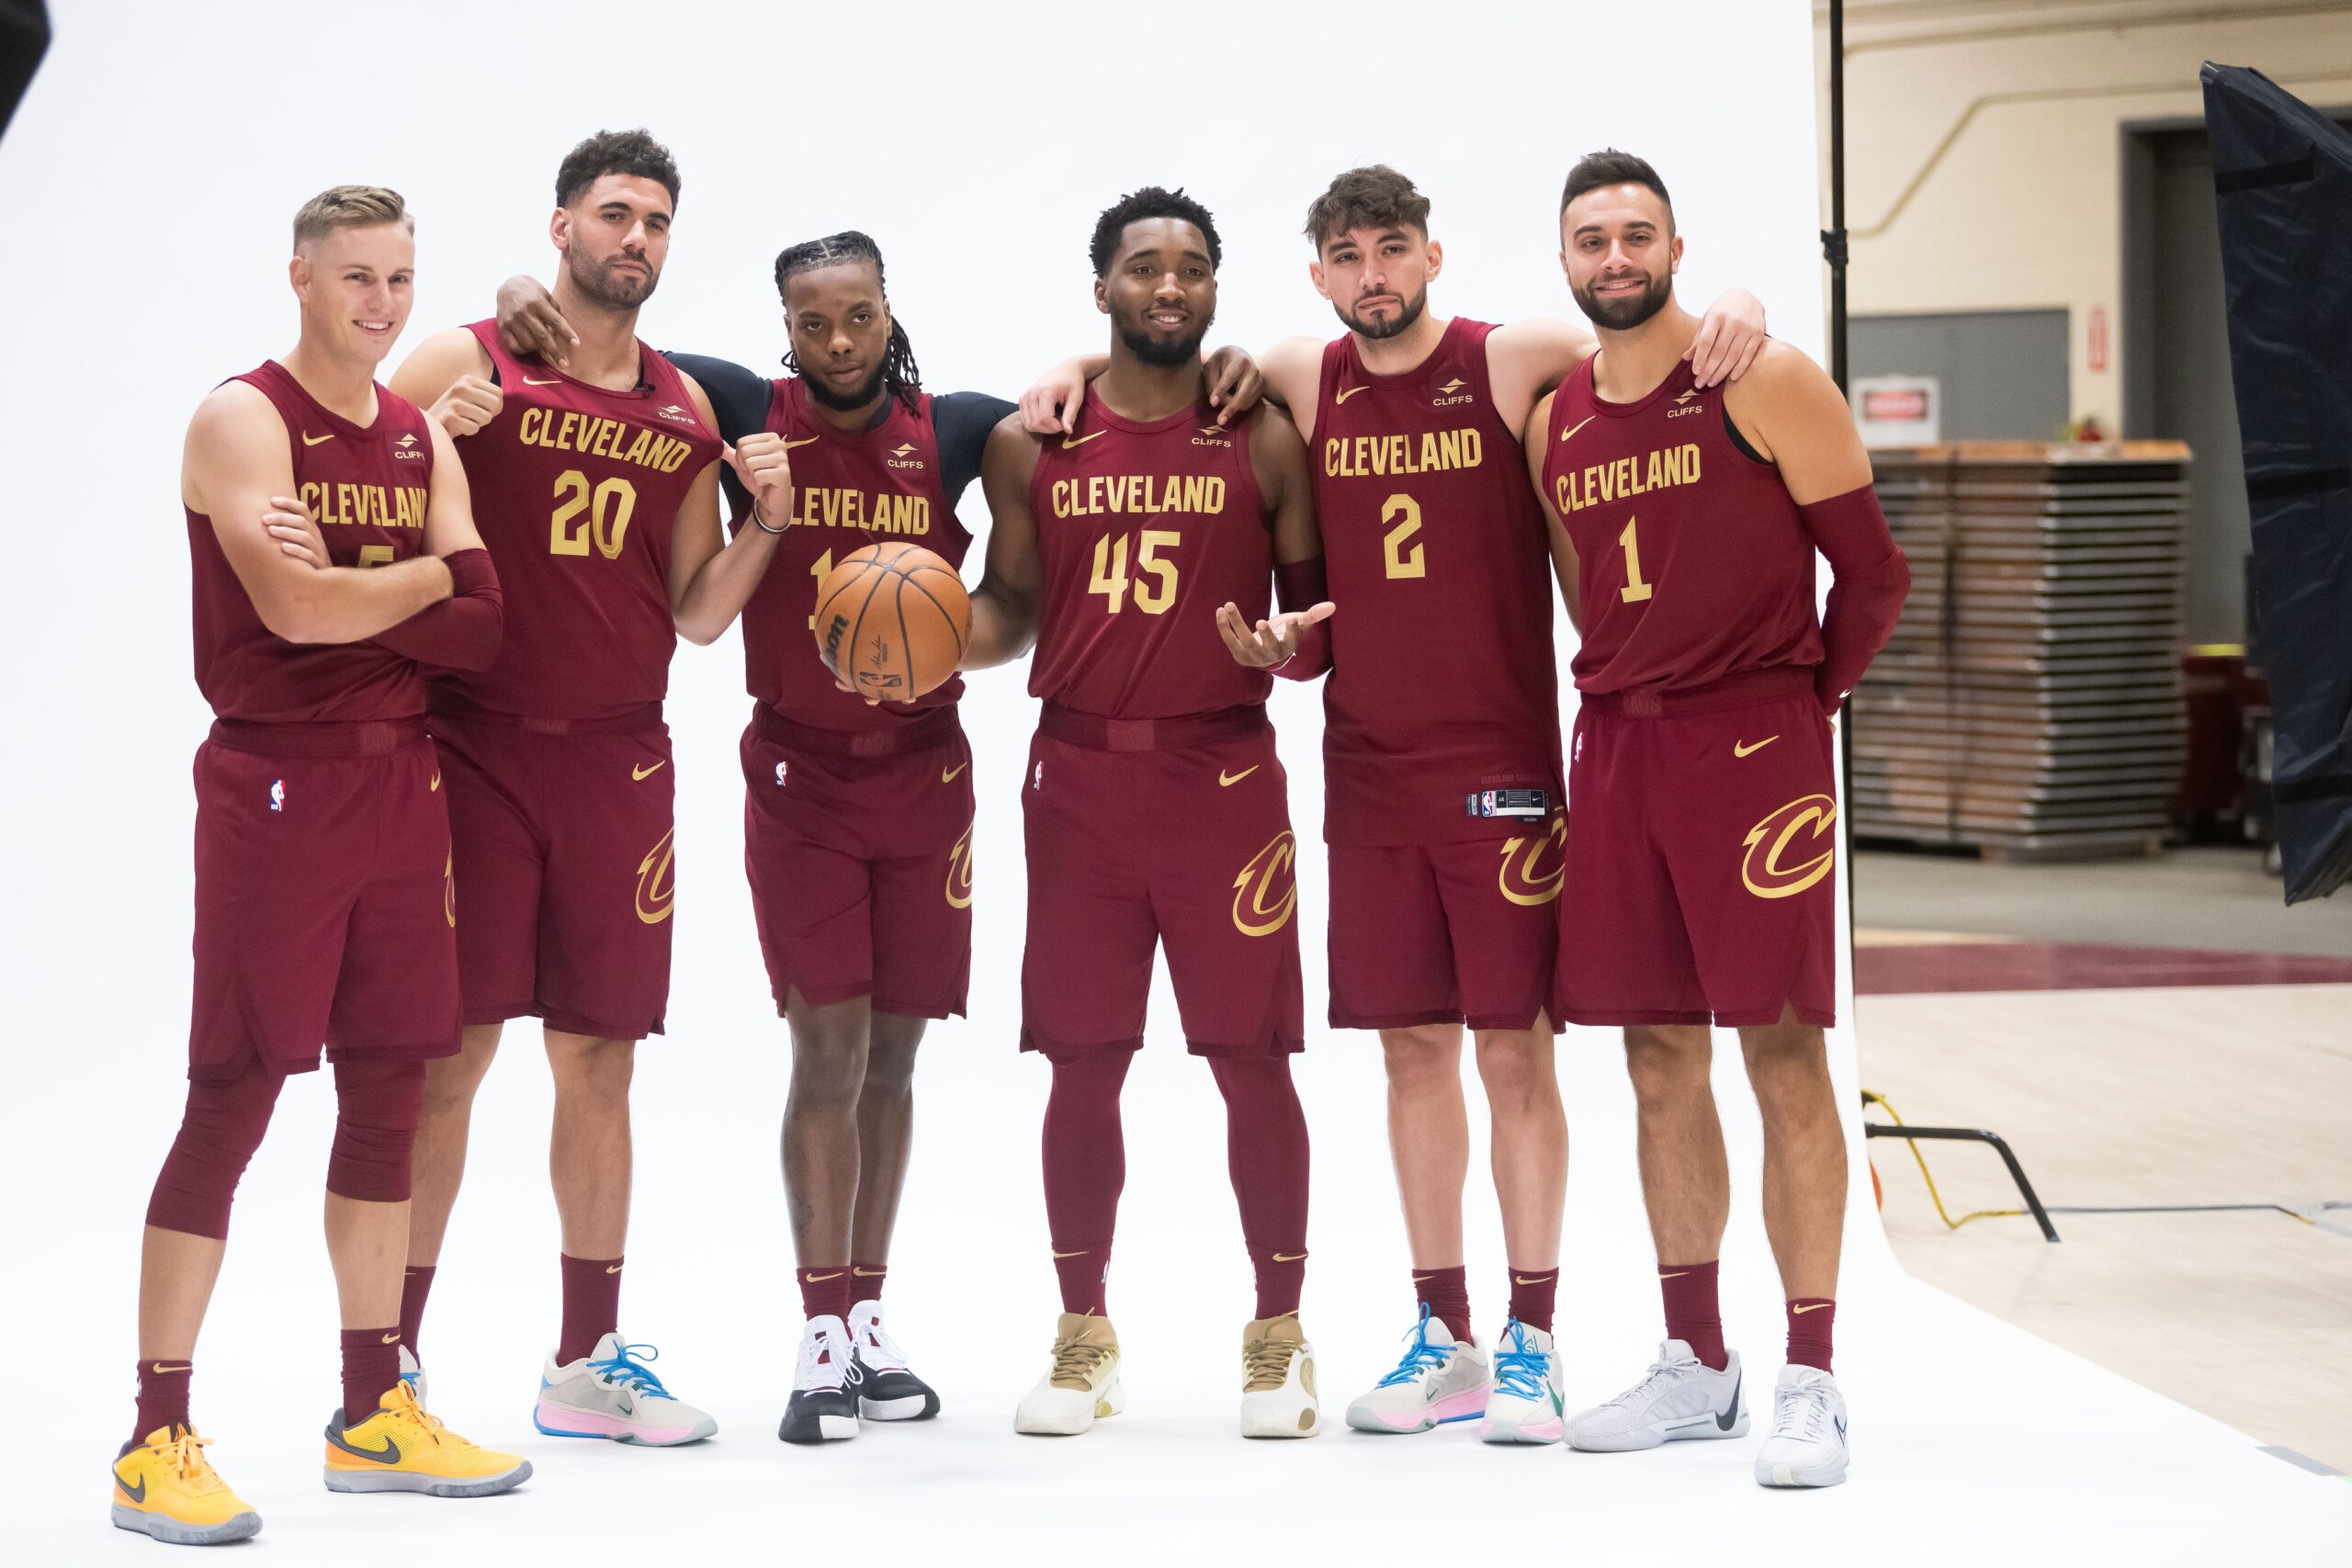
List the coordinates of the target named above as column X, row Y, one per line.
column 596, row 487
column 857, row 818
column 1157, row 813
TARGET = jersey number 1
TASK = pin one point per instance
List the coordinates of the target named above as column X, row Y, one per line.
column 1635, row 589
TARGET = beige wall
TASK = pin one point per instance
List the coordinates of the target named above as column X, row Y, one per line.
column 2022, row 210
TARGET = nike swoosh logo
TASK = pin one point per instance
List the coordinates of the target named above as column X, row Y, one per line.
column 1578, row 425
column 803, row 441
column 1730, row 1417
column 820, row 1279
column 949, row 775
column 1817, row 1306
column 1070, row 441
column 1079, row 1253
column 1423, row 1278
column 557, row 382
column 159, row 1367
column 857, row 1273
column 614, row 1270
column 1289, row 1257
column 389, row 1454
column 435, row 784
column 649, row 773
column 1339, row 398
column 139, row 1494
column 1739, row 750
column 393, row 1338
column 1523, row 1280
column 310, row 440
column 1674, row 1276
column 1226, row 781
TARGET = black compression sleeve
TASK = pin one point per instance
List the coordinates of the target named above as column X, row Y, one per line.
column 739, row 397
column 962, row 421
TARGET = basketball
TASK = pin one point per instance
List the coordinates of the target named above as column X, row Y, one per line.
column 893, row 620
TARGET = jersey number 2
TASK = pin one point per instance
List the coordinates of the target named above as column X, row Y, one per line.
column 1406, row 513
column 608, row 506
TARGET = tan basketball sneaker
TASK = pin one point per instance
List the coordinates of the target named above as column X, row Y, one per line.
column 1083, row 1386
column 1278, row 1381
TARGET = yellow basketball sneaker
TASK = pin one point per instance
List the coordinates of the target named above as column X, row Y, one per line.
column 162, row 1487
column 403, row 1447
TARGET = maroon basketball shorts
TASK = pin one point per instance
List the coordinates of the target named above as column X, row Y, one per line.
column 1702, row 857
column 1174, row 833
column 322, row 897
column 566, row 877
column 859, row 851
column 1445, row 934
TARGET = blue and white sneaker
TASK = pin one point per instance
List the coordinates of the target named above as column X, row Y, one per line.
column 412, row 1373
column 1439, row 1380
column 611, row 1392
column 1807, row 1447
column 1525, row 1404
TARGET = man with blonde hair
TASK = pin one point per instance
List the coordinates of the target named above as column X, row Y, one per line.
column 335, row 556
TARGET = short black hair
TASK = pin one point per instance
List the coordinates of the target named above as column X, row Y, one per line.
column 1152, row 201
column 614, row 153
column 1611, row 167
column 1375, row 196
column 899, row 373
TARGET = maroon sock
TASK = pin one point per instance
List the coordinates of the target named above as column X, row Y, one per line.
column 866, row 1281
column 825, row 1292
column 1265, row 1153
column 1446, row 1293
column 1532, row 1292
column 163, row 1395
column 371, row 1365
column 1812, row 1320
column 592, row 1305
column 1086, row 1166
column 1691, row 1314
column 415, row 1285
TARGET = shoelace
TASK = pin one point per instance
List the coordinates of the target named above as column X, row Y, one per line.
column 185, row 1456
column 1266, row 1362
column 1521, row 1368
column 410, row 1410
column 624, row 1367
column 1659, row 1370
column 825, row 1364
column 886, row 1357
column 1075, row 1360
column 1800, row 1412
column 1419, row 1356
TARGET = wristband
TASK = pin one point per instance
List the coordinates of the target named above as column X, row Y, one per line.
column 762, row 524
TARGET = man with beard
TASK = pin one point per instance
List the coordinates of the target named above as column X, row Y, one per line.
column 857, row 816
column 1442, row 808
column 1703, row 839
column 1155, row 810
column 597, row 487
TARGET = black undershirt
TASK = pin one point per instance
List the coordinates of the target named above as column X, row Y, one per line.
column 960, row 420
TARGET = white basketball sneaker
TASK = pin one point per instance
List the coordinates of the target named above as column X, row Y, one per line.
column 1438, row 1379
column 611, row 1392
column 888, row 1389
column 1278, row 1381
column 1524, row 1406
column 1807, row 1447
column 825, row 1383
column 1083, row 1386
column 1680, row 1398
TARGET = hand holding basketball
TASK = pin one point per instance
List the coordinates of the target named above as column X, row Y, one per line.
column 892, row 622
column 760, row 462
column 1269, row 642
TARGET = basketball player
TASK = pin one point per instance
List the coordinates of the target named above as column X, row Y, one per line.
column 1156, row 809
column 1442, row 765
column 323, row 904
column 599, row 497
column 1701, row 829
column 857, row 816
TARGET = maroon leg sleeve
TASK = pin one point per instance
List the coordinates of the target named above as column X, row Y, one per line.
column 1086, row 1164
column 377, row 1104
column 1265, row 1148
column 416, row 1285
column 218, row 1133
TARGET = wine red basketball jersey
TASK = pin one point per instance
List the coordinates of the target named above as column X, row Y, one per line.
column 851, row 489
column 1693, row 562
column 1442, row 682
column 366, row 486
column 576, row 490
column 1143, row 530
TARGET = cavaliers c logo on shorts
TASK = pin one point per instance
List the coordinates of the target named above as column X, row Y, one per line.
column 656, row 892
column 1773, row 869
column 1267, row 889
column 959, row 871
column 1526, row 877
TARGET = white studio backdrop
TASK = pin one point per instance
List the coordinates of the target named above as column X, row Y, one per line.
column 156, row 164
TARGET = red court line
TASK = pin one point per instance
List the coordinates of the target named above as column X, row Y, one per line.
column 2077, row 965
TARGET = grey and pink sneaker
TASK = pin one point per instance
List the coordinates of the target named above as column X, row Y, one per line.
column 611, row 1392
column 1439, row 1380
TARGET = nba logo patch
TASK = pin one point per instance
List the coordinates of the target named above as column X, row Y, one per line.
column 277, row 795
column 1577, row 755
column 781, row 769
column 1038, row 777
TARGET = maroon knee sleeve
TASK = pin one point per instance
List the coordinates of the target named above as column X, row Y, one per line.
column 377, row 1104
column 1265, row 1142
column 1086, row 1164
column 218, row 1133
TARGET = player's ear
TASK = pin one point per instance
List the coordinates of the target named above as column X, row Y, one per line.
column 1674, row 252
column 559, row 229
column 1314, row 276
column 298, row 273
column 1437, row 258
column 1102, row 295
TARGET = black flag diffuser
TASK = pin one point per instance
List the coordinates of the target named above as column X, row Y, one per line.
column 2282, row 175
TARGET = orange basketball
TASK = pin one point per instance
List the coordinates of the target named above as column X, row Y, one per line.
column 893, row 620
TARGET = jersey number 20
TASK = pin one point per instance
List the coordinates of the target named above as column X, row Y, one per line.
column 608, row 506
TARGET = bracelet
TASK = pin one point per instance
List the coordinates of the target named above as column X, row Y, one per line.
column 762, row 524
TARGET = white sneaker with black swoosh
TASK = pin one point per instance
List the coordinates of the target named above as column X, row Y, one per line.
column 1807, row 1447
column 1680, row 1398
